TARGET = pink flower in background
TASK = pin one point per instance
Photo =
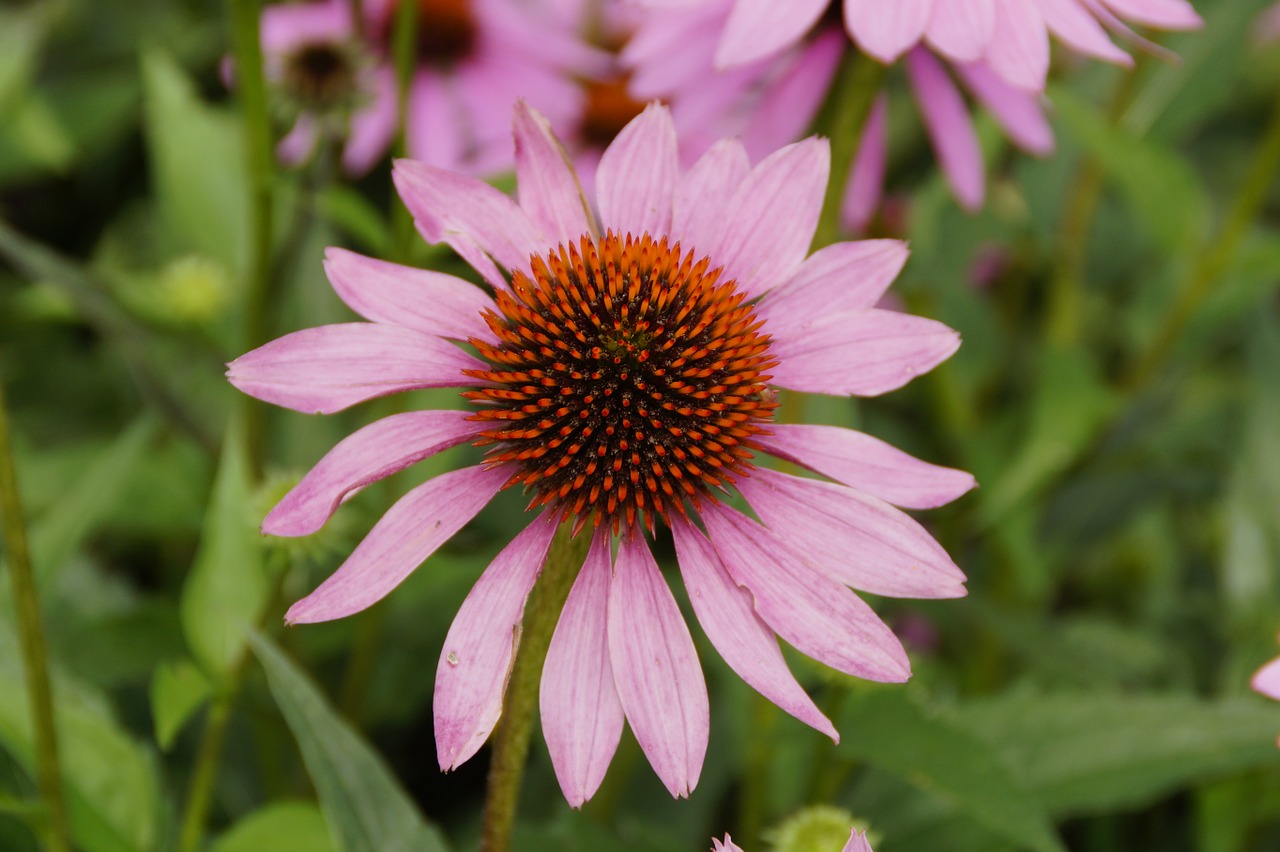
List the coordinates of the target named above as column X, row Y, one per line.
column 474, row 59
column 1266, row 681
column 857, row 843
column 1267, row 27
column 624, row 374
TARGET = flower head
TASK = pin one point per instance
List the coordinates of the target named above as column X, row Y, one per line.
column 624, row 374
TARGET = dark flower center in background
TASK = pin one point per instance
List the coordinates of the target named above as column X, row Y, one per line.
column 609, row 108
column 446, row 31
column 320, row 75
column 627, row 380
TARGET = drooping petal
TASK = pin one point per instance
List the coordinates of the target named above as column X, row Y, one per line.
column 372, row 453
column 655, row 667
column 950, row 129
column 408, row 533
column 837, row 278
column 887, row 30
column 853, row 537
column 581, row 714
column 372, row 126
column 726, row 845
column 789, row 102
column 1163, row 14
column 867, row 464
column 547, row 185
column 467, row 214
column 480, row 647
column 860, row 352
column 1019, row 49
column 961, row 29
column 1079, row 30
column 760, row 28
column 813, row 612
column 698, row 214
column 421, row 299
column 328, row 368
column 1267, row 680
column 773, row 215
column 866, row 177
column 1017, row 110
column 636, row 180
column 299, row 142
column 857, row 842
column 744, row 641
column 433, row 134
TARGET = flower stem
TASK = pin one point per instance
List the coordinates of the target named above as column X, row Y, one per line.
column 1211, row 264
column 34, row 654
column 511, row 743
column 842, row 118
column 251, row 88
column 404, row 48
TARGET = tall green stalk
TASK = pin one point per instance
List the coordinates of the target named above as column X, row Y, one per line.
column 35, row 657
column 404, row 48
column 511, row 743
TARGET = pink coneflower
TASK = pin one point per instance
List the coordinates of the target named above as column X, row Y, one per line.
column 474, row 58
column 857, row 843
column 624, row 374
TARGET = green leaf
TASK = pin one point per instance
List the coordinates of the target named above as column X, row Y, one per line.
column 227, row 588
column 1090, row 753
column 1160, row 187
column 178, row 690
column 279, row 827
column 366, row 808
column 198, row 169
column 886, row 728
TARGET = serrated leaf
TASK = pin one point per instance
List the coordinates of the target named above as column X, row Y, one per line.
column 227, row 588
column 279, row 827
column 198, row 169
column 887, row 729
column 1088, row 753
column 367, row 809
column 178, row 690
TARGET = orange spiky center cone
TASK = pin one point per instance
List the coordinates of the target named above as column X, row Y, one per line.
column 627, row 381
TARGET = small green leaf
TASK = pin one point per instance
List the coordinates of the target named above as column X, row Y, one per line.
column 227, row 588
column 367, row 809
column 178, row 690
column 887, row 729
column 280, row 827
column 1090, row 753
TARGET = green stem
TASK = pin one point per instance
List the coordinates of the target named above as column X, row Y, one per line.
column 754, row 810
column 842, row 118
column 1066, row 287
column 1211, row 264
column 405, row 49
column 511, row 743
column 251, row 87
column 35, row 656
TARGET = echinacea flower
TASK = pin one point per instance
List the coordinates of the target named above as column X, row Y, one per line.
column 857, row 843
column 473, row 59
column 624, row 374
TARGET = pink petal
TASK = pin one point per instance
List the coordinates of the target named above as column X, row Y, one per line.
column 857, row 842
column 789, row 102
column 655, row 667
column 1162, row 14
column 1267, row 680
column 1019, row 49
column 772, row 216
column 727, row 845
column 961, row 29
column 886, row 30
column 867, row 464
column 581, row 713
column 861, row 352
column 1017, row 110
column 299, row 142
column 760, row 28
column 408, row 533
column 866, row 177
column 698, row 212
column 744, row 641
column 813, row 612
column 834, row 279
column 636, row 181
column 548, row 188
column 389, row 293
column 947, row 119
column 853, row 537
column 372, row 126
column 434, row 135
column 285, row 28
column 468, row 214
column 476, row 658
column 1071, row 21
column 326, row 369
column 372, row 453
